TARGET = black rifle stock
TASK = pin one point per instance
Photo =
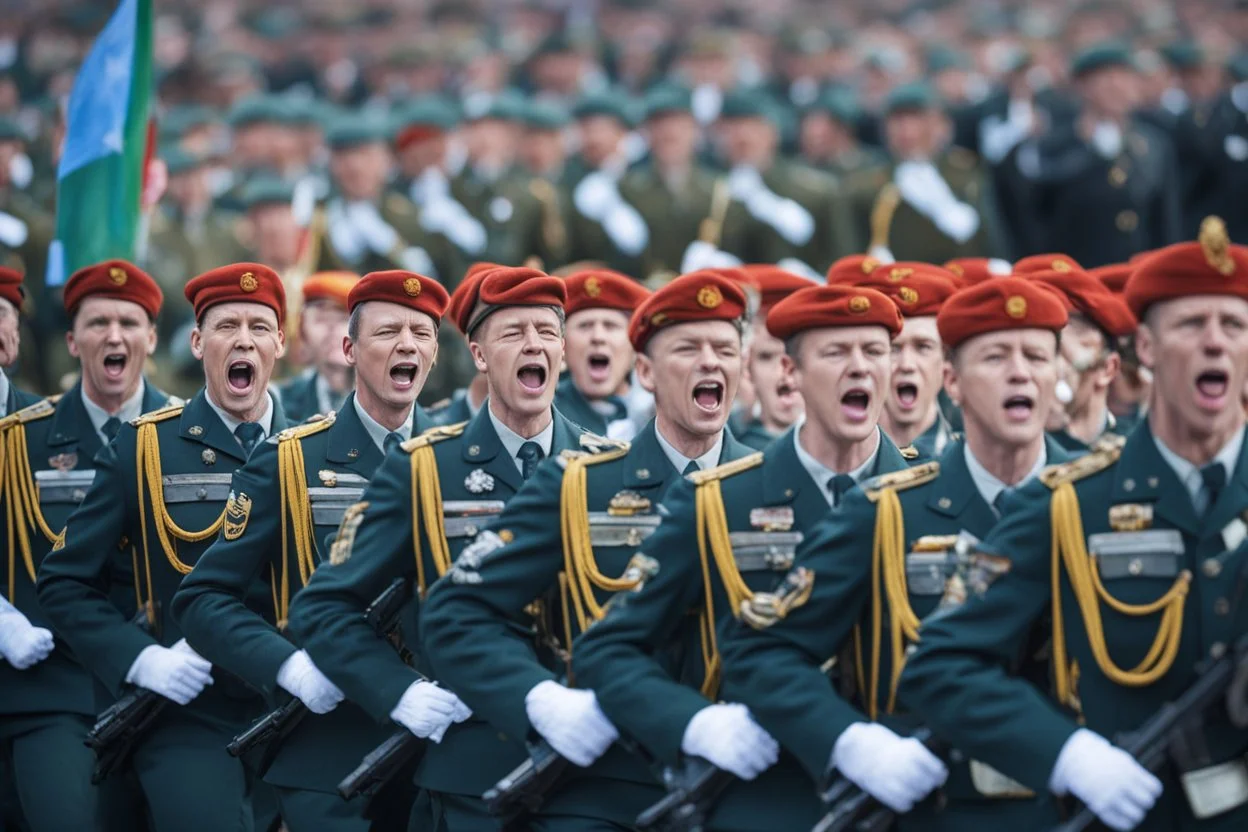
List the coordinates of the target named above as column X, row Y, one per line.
column 122, row 724
column 522, row 791
column 380, row 765
column 851, row 809
column 693, row 790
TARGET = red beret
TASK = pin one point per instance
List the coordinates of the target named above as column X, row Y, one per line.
column 1089, row 297
column 820, row 307
column 11, row 286
column 704, row 295
column 773, row 283
column 972, row 270
column 488, row 290
column 415, row 291
column 851, row 268
column 115, row 279
column 238, row 283
column 918, row 289
column 334, row 287
column 1212, row 266
column 1001, row 304
column 603, row 289
column 1114, row 276
column 1047, row 263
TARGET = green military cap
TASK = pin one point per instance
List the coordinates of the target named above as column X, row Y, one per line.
column 181, row 120
column 355, row 129
column 941, row 58
column 257, row 109
column 301, row 112
column 556, row 43
column 1237, row 66
column 751, row 103
column 840, row 103
column 1183, row 54
column 545, row 115
column 667, row 98
column 427, row 111
column 267, row 190
column 177, row 160
column 910, row 97
column 275, row 23
column 10, row 130
column 614, row 105
column 1101, row 56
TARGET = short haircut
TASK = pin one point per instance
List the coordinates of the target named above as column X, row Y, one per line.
column 353, row 324
column 793, row 347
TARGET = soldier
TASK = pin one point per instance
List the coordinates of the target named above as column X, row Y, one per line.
column 543, row 150
column 1001, row 337
column 726, row 536
column 828, row 136
column 932, row 202
column 597, row 353
column 323, row 321
column 513, row 318
column 392, row 344
column 692, row 363
column 1192, row 301
column 1214, row 143
column 158, row 498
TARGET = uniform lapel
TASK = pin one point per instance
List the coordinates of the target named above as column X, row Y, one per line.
column 567, row 436
column 349, row 443
column 954, row 494
column 1142, row 475
column 647, row 467
column 71, row 430
column 153, row 398
column 787, row 482
column 733, row 448
column 481, row 448
column 1233, row 499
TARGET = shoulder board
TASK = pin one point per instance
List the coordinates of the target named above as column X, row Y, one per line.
column 161, row 415
column 433, row 436
column 962, row 158
column 175, row 401
column 728, row 469
column 908, row 452
column 567, row 455
column 32, row 412
column 438, row 405
column 314, row 424
column 399, row 204
column 900, row 480
column 596, row 444
column 1103, row 455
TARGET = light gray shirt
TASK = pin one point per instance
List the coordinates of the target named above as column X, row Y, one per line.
column 822, row 474
column 4, row 394
column 131, row 409
column 265, row 421
column 1189, row 474
column 512, row 440
column 377, row 431
column 708, row 460
column 989, row 486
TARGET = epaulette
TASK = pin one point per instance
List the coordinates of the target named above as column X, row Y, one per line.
column 596, row 444
column 175, row 400
column 1104, row 453
column 728, row 469
column 439, row 405
column 962, row 158
column 900, row 480
column 908, row 452
column 314, row 424
column 32, row 412
column 160, row 415
column 399, row 204
column 433, row 436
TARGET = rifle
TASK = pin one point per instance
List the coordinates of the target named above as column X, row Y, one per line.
column 383, row 615
column 522, row 791
column 118, row 729
column 1150, row 744
column 850, row 809
column 692, row 793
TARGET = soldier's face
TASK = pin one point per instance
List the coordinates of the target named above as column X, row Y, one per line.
column 1197, row 348
column 360, row 171
column 673, row 138
column 316, row 323
column 238, row 343
column 693, row 369
column 843, row 373
column 779, row 400
column 913, row 134
column 917, row 363
column 542, row 150
column 750, row 141
column 393, row 352
column 112, row 338
column 1093, row 367
column 10, row 334
column 519, row 349
column 600, row 138
column 1004, row 382
column 599, row 354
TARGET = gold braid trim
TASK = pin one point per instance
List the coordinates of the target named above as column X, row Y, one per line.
column 293, row 485
column 579, row 566
column 427, row 500
column 711, row 229
column 17, row 485
column 886, row 204
column 554, row 234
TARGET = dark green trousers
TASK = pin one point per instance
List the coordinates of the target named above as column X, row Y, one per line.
column 445, row 812
column 50, row 770
column 308, row 811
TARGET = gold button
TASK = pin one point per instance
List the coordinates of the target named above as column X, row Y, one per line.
column 1217, row 650
column 1136, row 566
column 1127, row 221
column 1117, row 176
column 1221, row 606
column 1212, row 568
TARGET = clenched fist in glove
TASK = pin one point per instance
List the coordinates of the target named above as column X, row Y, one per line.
column 301, row 678
column 730, row 739
column 428, row 710
column 571, row 721
column 22, row 644
column 177, row 672
column 897, row 771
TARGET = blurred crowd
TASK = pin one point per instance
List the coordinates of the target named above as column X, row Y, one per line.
column 650, row 137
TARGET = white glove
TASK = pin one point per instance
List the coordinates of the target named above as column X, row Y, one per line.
column 626, row 228
column 21, row 643
column 177, row 672
column 301, row 678
column 744, row 182
column 428, row 710
column 1107, row 779
column 595, row 195
column 730, row 739
column 703, row 255
column 571, row 721
column 897, row 771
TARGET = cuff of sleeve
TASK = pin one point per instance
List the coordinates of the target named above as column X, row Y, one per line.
column 387, row 694
column 269, row 664
column 131, row 642
column 666, row 743
column 513, row 718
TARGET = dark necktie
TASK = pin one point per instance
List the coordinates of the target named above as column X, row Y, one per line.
column 530, row 454
column 840, row 485
column 111, row 427
column 691, row 468
column 393, row 440
column 249, row 435
column 1213, row 478
column 999, row 501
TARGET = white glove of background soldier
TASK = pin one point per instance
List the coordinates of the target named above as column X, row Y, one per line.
column 21, row 643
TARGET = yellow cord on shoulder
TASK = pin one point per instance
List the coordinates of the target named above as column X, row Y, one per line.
column 427, row 505
column 293, row 483
column 1069, row 550
column 888, row 568
column 22, row 512
column 580, row 568
column 151, row 484
column 712, row 524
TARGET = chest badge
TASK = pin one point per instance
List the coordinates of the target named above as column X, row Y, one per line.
column 774, row 519
column 478, row 482
column 627, row 504
column 195, row 430
column 209, row 456
column 64, row 462
column 1131, row 517
column 328, row 478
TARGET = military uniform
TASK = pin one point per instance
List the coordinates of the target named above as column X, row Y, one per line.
column 300, row 397
column 338, row 459
column 178, row 461
column 1075, row 445
column 24, row 246
column 658, row 646
column 674, row 215
column 931, row 443
column 571, row 402
column 451, row 410
column 475, row 476
column 46, row 710
column 756, row 436
column 523, row 217
column 777, row 669
column 466, row 620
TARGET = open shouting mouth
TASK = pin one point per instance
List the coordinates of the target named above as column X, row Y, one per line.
column 115, row 365
column 1019, row 408
column 599, row 367
column 1211, row 389
column 532, row 377
column 241, row 377
column 709, row 396
column 856, row 404
column 907, row 395
column 403, row 375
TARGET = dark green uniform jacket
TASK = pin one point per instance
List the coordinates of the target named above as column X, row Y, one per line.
column 644, row 659
column 473, row 630
column 472, row 466
column 58, row 437
column 339, row 459
column 571, row 402
column 298, row 397
column 452, row 410
column 776, row 669
column 957, row 678
column 104, row 537
column 674, row 217
column 1077, row 446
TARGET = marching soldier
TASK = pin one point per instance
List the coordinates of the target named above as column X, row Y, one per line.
column 828, row 136
column 323, row 319
column 425, row 503
column 456, row 365
column 158, row 498
column 692, row 363
column 727, row 536
column 319, row 468
column 1170, row 500
column 1002, row 370
column 597, row 353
